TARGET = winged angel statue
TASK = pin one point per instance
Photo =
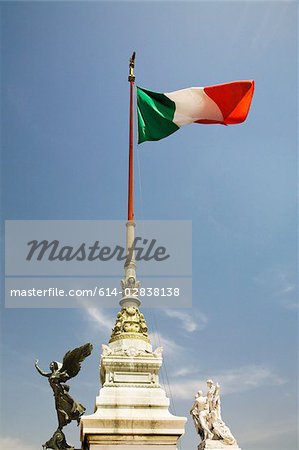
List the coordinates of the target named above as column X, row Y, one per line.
column 66, row 407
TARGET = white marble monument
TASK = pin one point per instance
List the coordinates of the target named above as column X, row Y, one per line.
column 132, row 410
column 206, row 414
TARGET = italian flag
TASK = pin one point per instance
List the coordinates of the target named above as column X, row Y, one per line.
column 160, row 115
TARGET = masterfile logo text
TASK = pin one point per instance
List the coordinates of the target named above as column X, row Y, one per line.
column 53, row 263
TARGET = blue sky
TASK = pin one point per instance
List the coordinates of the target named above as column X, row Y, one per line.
column 64, row 156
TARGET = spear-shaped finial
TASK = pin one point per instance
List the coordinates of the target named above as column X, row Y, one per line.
column 131, row 68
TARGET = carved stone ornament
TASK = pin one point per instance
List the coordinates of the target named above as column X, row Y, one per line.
column 158, row 352
column 129, row 284
column 131, row 352
column 130, row 323
column 106, row 350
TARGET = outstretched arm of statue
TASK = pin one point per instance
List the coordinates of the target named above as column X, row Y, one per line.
column 44, row 374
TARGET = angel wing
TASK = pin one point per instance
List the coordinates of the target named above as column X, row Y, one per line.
column 73, row 358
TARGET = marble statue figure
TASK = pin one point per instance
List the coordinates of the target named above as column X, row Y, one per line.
column 206, row 414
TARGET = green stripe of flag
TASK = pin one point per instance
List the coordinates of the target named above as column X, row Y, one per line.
column 155, row 116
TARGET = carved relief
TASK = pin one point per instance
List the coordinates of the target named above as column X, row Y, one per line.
column 129, row 320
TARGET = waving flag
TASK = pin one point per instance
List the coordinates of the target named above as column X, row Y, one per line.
column 160, row 115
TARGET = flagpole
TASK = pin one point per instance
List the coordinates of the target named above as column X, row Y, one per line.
column 131, row 80
column 129, row 283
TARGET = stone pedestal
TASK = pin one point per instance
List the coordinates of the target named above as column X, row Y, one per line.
column 211, row 444
column 132, row 408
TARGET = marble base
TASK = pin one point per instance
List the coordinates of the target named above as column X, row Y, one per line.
column 132, row 409
column 211, row 444
column 130, row 416
column 135, row 447
column 124, row 442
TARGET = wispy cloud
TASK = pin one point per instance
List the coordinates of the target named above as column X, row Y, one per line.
column 247, row 377
column 268, row 433
column 290, row 304
column 189, row 323
column 184, row 371
column 97, row 316
column 270, row 25
column 280, row 283
column 170, row 347
column 10, row 443
column 288, row 289
column 231, row 381
column 185, row 389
